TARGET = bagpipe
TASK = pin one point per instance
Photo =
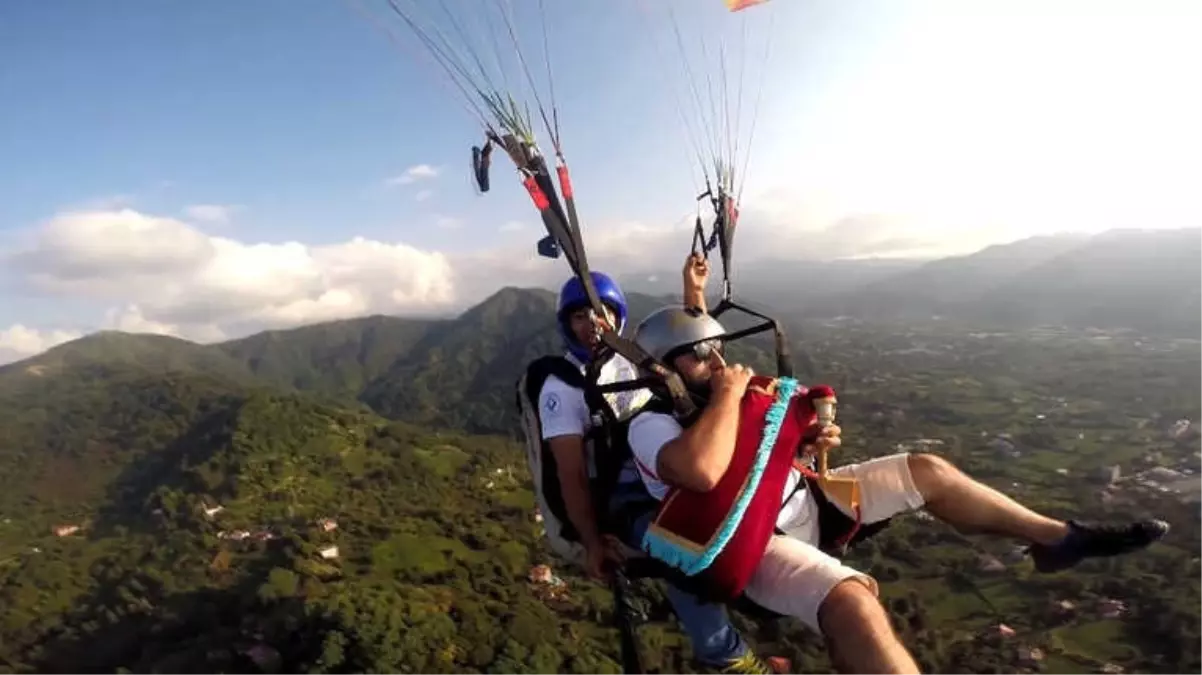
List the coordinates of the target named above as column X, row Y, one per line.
column 720, row 535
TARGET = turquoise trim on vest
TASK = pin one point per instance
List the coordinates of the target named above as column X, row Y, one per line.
column 693, row 562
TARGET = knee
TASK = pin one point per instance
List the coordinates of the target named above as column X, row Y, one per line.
column 851, row 609
column 926, row 463
column 929, row 472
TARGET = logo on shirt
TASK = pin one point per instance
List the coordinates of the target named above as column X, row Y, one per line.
column 551, row 405
column 623, row 403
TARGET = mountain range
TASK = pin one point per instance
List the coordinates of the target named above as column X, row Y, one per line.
column 391, row 425
column 459, row 373
column 1144, row 280
column 452, row 373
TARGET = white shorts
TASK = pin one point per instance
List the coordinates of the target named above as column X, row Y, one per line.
column 794, row 577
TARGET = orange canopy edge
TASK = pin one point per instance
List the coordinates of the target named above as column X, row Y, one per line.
column 736, row 5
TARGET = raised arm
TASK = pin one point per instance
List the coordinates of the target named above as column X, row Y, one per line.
column 695, row 275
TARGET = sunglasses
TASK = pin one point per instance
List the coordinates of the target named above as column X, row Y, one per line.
column 702, row 350
column 707, row 348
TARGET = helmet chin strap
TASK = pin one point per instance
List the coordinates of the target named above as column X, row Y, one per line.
column 700, row 392
column 599, row 353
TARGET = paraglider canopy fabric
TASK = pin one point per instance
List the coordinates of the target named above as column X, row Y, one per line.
column 736, row 5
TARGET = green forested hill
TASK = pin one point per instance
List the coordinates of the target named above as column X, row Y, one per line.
column 338, row 357
column 135, row 439
column 455, row 373
column 430, row 562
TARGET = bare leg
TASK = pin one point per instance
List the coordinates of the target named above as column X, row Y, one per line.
column 969, row 506
column 859, row 637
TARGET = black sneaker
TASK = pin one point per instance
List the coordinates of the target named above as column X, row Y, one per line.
column 1089, row 540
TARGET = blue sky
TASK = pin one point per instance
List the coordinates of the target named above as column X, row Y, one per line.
column 207, row 169
column 294, row 109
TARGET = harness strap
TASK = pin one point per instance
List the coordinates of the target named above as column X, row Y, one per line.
column 643, row 467
column 811, row 478
column 784, row 359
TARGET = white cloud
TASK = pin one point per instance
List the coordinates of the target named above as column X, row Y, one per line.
column 148, row 273
column 157, row 274
column 160, row 275
column 512, row 226
column 216, row 214
column 98, row 251
column 413, row 174
column 777, row 227
column 423, row 195
column 19, row 341
column 130, row 319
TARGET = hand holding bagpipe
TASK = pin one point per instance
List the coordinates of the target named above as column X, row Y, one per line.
column 823, row 437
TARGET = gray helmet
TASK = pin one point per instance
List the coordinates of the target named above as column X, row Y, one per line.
column 667, row 330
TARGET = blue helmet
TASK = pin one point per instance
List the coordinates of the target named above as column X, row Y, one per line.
column 572, row 297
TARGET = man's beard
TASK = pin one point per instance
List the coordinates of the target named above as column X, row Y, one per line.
column 701, row 391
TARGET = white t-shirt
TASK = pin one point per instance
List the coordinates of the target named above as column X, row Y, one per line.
column 562, row 410
column 648, row 434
